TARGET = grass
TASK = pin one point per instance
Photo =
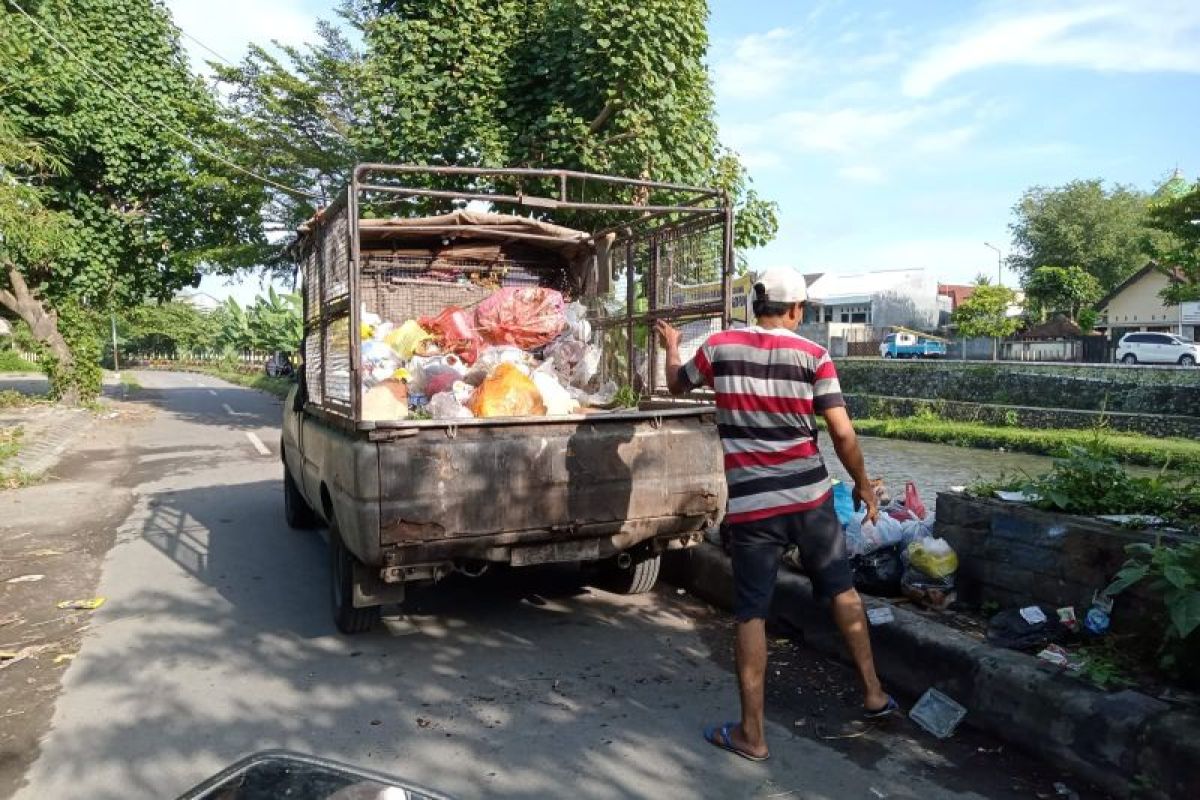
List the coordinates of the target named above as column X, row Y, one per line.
column 1130, row 448
column 10, row 398
column 11, row 362
column 10, row 445
column 256, row 380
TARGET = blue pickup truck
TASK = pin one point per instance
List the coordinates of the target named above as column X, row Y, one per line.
column 904, row 344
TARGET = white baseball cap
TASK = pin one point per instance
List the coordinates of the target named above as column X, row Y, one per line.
column 783, row 285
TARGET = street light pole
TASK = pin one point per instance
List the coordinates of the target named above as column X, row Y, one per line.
column 999, row 263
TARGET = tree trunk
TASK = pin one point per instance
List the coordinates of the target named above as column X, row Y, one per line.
column 43, row 324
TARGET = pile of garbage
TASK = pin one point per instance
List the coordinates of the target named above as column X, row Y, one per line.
column 897, row 553
column 523, row 351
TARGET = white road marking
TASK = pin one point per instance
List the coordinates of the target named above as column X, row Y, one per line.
column 258, row 445
column 233, row 413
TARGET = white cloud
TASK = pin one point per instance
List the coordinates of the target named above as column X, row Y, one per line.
column 760, row 65
column 843, row 130
column 862, row 173
column 943, row 142
column 229, row 26
column 1119, row 36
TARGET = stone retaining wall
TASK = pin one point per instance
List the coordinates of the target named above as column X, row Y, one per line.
column 1014, row 555
column 1138, row 390
column 863, row 406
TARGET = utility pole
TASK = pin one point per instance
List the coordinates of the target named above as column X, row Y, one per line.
column 999, row 263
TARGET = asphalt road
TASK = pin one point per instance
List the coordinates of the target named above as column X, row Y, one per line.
column 216, row 641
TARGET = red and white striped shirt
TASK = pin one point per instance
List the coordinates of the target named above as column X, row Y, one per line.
column 770, row 385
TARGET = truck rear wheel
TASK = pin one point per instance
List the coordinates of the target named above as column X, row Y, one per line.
column 348, row 619
column 638, row 578
column 296, row 510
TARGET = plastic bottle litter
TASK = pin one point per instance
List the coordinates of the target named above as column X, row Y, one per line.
column 937, row 713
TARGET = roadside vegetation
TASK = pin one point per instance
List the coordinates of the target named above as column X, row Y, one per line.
column 10, row 361
column 1129, row 448
column 278, row 387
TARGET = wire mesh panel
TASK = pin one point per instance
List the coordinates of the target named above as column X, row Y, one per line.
column 684, row 258
column 335, row 255
column 336, row 360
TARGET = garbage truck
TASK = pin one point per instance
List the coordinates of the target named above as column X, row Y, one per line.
column 481, row 385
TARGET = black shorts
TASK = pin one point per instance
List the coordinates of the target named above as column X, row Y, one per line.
column 757, row 547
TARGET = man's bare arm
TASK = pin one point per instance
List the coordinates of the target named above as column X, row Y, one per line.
column 845, row 442
column 670, row 342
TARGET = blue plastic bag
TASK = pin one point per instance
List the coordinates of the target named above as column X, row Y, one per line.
column 843, row 502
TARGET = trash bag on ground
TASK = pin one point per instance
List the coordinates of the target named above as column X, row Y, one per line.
column 843, row 502
column 870, row 536
column 934, row 557
column 525, row 317
column 1011, row 630
column 912, row 500
column 507, row 392
column 927, row 590
column 879, row 572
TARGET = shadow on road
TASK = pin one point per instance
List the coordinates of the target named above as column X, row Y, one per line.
column 232, row 407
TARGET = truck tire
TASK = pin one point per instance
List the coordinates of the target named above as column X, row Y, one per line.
column 638, row 578
column 296, row 510
column 349, row 620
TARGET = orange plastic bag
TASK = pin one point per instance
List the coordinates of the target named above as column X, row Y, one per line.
column 507, row 392
column 527, row 317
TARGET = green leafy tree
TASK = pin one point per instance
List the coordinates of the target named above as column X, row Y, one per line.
column 275, row 323
column 173, row 328
column 985, row 313
column 1177, row 218
column 1060, row 289
column 612, row 86
column 1103, row 231
column 133, row 210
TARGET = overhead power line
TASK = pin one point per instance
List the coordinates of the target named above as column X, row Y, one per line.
column 197, row 146
column 206, row 47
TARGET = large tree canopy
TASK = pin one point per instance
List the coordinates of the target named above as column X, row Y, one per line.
column 1082, row 223
column 1178, row 217
column 145, row 207
column 1065, row 289
column 613, row 86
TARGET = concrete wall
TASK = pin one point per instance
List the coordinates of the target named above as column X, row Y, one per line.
column 1014, row 555
column 1144, row 390
column 863, row 406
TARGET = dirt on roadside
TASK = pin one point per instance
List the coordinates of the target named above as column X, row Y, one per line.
column 54, row 536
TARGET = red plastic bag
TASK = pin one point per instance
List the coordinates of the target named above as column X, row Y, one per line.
column 454, row 332
column 912, row 500
column 525, row 317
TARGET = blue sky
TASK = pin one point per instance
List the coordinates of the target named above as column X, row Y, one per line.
column 900, row 135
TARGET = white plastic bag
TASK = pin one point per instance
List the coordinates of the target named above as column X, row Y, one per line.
column 556, row 398
column 577, row 324
column 446, row 405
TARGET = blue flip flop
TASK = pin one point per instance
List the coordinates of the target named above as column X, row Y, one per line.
column 891, row 707
column 724, row 742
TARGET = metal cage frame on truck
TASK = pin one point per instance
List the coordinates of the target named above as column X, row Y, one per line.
column 659, row 219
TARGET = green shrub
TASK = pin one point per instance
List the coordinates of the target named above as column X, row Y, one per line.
column 10, row 361
column 1173, row 572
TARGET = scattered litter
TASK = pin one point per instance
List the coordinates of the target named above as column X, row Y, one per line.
column 1067, row 617
column 25, row 579
column 88, row 604
column 423, row 723
column 1058, row 656
column 8, row 657
column 63, row 657
column 1102, row 601
column 1096, row 621
column 937, row 713
column 1033, row 615
column 881, row 616
column 958, row 489
column 681, row 591
column 800, row 723
column 45, row 551
column 878, row 793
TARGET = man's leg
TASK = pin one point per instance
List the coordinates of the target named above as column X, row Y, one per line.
column 751, row 654
column 851, row 620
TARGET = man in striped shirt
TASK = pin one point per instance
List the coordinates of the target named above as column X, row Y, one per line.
column 770, row 384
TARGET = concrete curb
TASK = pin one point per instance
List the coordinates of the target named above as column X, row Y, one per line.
column 1110, row 739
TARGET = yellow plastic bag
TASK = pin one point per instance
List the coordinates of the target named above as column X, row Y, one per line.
column 407, row 339
column 935, row 557
column 507, row 392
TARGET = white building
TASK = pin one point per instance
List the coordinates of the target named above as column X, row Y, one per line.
column 880, row 299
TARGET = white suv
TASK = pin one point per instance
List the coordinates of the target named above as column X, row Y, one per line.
column 1157, row 348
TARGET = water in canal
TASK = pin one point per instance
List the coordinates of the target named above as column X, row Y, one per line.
column 934, row 467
